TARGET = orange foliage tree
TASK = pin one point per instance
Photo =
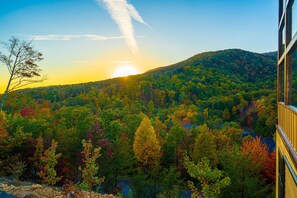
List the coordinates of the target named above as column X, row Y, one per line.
column 256, row 152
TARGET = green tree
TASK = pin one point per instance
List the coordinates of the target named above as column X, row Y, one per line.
column 245, row 178
column 38, row 154
column 146, row 145
column 49, row 160
column 170, row 180
column 90, row 169
column 226, row 115
column 205, row 146
column 211, row 180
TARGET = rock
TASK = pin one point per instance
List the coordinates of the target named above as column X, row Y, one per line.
column 30, row 196
column 4, row 186
column 36, row 186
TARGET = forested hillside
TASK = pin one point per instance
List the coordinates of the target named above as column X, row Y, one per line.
column 156, row 130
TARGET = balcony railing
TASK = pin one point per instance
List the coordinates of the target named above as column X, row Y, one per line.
column 287, row 121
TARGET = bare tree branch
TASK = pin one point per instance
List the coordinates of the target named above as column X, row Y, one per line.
column 22, row 63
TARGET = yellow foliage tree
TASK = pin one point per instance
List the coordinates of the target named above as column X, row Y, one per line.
column 146, row 146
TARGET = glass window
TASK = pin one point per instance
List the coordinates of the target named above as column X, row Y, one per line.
column 294, row 79
column 281, row 83
column 283, row 38
column 294, row 18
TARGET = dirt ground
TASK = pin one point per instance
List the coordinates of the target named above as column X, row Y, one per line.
column 38, row 191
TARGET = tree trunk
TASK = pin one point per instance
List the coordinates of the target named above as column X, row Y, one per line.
column 7, row 89
column 3, row 99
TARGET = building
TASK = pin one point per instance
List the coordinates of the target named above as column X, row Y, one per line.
column 286, row 134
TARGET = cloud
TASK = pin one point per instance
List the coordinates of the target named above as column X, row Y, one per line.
column 66, row 37
column 122, row 12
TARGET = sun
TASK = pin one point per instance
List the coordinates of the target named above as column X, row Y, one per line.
column 124, row 70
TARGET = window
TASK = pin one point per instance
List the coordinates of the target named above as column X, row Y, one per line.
column 282, row 40
column 281, row 84
column 294, row 18
column 294, row 80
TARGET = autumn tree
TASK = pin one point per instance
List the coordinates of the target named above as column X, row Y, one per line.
column 146, row 145
column 49, row 160
column 90, row 168
column 245, row 178
column 21, row 61
column 211, row 179
column 256, row 152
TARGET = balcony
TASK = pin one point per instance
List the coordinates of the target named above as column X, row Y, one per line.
column 287, row 125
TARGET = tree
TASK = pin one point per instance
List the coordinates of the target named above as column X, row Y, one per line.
column 38, row 153
column 256, row 152
column 205, row 146
column 170, row 179
column 245, row 178
column 146, row 145
column 212, row 180
column 226, row 115
column 49, row 160
column 21, row 62
column 90, row 169
column 15, row 166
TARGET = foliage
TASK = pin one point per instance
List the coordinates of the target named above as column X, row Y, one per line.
column 199, row 106
column 14, row 166
column 212, row 180
column 146, row 145
column 90, row 168
column 49, row 160
column 245, row 176
column 38, row 154
column 205, row 146
column 255, row 152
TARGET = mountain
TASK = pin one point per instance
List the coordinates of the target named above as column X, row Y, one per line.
column 216, row 80
column 251, row 66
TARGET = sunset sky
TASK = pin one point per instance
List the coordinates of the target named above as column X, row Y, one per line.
column 91, row 40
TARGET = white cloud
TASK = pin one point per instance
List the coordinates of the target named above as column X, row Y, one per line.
column 66, row 37
column 121, row 12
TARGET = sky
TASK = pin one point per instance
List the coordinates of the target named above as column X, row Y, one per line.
column 91, row 40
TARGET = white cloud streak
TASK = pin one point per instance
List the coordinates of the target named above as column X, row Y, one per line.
column 122, row 13
column 66, row 37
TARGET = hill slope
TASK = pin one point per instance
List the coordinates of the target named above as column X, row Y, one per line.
column 226, row 79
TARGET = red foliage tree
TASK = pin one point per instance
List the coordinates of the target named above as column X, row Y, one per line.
column 27, row 112
column 270, row 167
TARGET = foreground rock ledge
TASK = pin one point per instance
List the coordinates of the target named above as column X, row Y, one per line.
column 38, row 191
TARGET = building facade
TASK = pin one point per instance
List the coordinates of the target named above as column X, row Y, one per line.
column 286, row 134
